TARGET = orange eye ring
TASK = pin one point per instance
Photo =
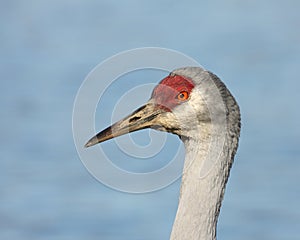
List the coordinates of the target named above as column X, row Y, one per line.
column 182, row 96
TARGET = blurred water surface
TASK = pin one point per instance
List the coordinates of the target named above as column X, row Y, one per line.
column 48, row 47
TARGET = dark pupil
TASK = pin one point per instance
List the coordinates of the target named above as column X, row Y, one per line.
column 181, row 95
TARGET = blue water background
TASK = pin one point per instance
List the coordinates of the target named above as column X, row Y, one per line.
column 46, row 50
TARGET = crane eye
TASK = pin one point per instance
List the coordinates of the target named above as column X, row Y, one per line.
column 182, row 96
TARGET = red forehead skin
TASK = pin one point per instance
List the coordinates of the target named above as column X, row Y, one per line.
column 166, row 92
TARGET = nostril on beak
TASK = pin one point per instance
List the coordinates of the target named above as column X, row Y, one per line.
column 134, row 119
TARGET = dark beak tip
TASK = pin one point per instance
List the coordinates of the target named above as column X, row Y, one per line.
column 93, row 141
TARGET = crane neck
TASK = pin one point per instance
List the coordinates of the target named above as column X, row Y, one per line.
column 201, row 194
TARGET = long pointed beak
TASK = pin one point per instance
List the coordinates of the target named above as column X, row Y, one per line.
column 144, row 117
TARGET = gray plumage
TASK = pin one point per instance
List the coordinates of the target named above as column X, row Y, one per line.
column 208, row 123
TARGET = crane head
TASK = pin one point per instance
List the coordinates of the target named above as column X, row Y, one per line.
column 174, row 107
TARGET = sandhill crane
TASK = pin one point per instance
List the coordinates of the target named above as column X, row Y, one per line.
column 195, row 105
